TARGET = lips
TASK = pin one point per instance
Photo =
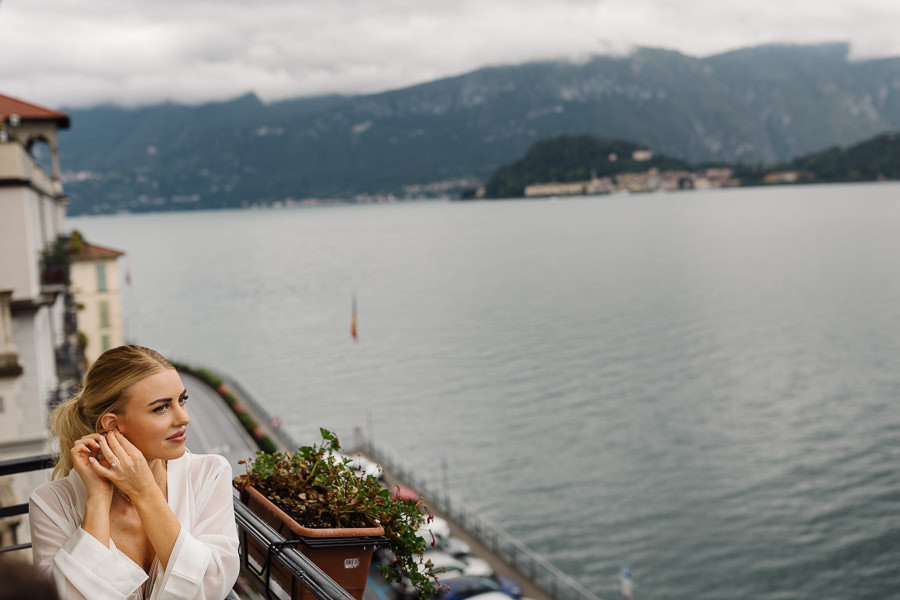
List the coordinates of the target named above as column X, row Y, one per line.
column 178, row 437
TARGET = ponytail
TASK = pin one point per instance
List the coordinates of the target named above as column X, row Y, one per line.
column 69, row 423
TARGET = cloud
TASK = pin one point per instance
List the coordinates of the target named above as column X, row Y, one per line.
column 81, row 52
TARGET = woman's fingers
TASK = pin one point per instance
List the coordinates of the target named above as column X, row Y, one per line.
column 89, row 441
column 126, row 444
column 116, row 446
column 107, row 473
column 128, row 469
column 112, row 456
column 115, row 441
column 87, row 465
column 80, row 452
column 109, row 455
column 85, row 447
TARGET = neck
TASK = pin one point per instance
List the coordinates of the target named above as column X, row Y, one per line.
column 157, row 466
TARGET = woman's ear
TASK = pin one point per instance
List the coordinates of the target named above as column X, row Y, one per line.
column 109, row 422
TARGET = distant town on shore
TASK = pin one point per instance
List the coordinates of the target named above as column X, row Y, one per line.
column 586, row 165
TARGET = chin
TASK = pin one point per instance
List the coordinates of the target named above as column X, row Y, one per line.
column 168, row 453
column 176, row 453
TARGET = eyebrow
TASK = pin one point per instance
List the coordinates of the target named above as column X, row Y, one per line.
column 161, row 400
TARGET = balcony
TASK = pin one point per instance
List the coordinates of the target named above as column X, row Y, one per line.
column 56, row 261
column 273, row 555
column 304, row 575
column 16, row 165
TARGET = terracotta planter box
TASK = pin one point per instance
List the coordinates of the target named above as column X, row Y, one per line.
column 343, row 554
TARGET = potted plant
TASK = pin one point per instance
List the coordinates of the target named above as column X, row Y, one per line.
column 338, row 514
column 55, row 261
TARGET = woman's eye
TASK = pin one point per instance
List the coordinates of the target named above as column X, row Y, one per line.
column 161, row 409
column 183, row 399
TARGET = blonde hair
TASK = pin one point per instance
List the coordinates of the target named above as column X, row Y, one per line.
column 105, row 390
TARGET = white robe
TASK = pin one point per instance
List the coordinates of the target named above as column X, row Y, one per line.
column 204, row 563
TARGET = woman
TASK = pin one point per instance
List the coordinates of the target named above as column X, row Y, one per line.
column 135, row 516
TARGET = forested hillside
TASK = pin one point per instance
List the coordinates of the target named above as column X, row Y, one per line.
column 761, row 105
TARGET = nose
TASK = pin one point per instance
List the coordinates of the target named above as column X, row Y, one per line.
column 181, row 415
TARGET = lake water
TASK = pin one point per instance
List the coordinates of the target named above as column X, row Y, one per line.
column 700, row 385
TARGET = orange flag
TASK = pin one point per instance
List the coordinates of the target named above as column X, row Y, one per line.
column 353, row 321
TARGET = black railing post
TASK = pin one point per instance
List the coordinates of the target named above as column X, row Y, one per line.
column 14, row 466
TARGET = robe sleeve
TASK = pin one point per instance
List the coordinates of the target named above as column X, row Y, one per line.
column 81, row 566
column 204, row 563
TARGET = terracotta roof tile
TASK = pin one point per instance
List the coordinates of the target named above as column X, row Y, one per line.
column 28, row 111
column 93, row 252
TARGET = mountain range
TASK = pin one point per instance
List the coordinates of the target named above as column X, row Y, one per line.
column 766, row 104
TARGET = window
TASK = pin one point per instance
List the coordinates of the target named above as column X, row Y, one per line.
column 101, row 277
column 106, row 342
column 104, row 313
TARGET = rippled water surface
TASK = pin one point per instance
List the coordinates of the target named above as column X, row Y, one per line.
column 701, row 385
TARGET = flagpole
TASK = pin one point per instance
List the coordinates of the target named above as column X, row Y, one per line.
column 354, row 333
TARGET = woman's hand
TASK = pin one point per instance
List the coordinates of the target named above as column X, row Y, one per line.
column 85, row 455
column 126, row 466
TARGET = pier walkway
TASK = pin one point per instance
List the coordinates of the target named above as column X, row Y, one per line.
column 509, row 557
column 478, row 548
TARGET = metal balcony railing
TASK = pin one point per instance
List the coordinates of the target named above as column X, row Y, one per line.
column 303, row 572
column 251, row 531
column 12, row 467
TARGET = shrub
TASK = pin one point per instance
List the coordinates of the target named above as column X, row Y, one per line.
column 266, row 444
column 209, row 377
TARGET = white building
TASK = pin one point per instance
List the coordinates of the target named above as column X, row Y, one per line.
column 555, row 189
column 95, row 288
column 38, row 364
column 641, row 155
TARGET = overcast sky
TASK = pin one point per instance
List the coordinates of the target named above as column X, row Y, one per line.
column 132, row 52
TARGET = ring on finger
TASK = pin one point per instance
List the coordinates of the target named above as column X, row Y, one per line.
column 114, row 463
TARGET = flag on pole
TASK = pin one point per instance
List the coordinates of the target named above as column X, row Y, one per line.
column 353, row 320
